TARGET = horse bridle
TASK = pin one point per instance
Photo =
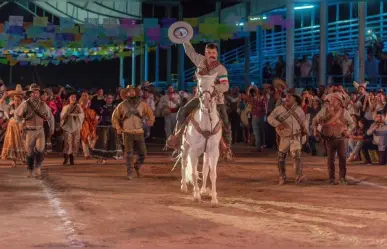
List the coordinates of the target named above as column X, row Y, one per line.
column 201, row 94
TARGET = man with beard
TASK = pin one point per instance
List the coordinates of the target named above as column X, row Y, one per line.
column 335, row 122
column 128, row 119
column 71, row 119
column 34, row 112
column 206, row 65
column 290, row 123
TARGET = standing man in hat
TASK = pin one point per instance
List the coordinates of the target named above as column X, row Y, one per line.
column 207, row 65
column 336, row 123
column 128, row 120
column 34, row 112
column 291, row 126
column 71, row 120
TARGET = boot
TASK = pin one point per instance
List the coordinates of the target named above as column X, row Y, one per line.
column 343, row 181
column 71, row 159
column 66, row 159
column 38, row 173
column 30, row 165
column 174, row 141
column 139, row 175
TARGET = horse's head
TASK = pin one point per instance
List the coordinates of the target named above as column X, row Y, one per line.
column 206, row 88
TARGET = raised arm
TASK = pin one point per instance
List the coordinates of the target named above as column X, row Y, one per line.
column 191, row 53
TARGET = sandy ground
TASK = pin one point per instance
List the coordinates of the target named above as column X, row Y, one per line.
column 91, row 205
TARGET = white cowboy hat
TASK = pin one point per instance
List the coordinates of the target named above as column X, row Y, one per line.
column 180, row 32
column 357, row 85
column 336, row 95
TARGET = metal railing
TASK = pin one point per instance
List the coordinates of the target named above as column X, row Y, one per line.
column 342, row 36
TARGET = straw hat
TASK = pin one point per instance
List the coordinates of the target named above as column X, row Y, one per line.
column 278, row 83
column 336, row 95
column 18, row 91
column 49, row 92
column 124, row 91
column 357, row 85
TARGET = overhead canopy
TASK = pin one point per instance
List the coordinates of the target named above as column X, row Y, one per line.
column 78, row 10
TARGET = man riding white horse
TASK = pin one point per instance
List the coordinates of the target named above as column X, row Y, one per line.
column 206, row 65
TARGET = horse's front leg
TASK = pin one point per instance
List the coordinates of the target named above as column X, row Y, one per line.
column 184, row 155
column 213, row 163
column 193, row 161
column 205, row 171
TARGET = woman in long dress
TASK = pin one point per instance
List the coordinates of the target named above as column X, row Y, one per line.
column 89, row 127
column 13, row 148
column 108, row 144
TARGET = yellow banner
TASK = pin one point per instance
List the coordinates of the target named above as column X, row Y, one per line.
column 192, row 21
column 40, row 21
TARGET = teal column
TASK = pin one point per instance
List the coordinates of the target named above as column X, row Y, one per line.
column 290, row 44
column 146, row 66
column 134, row 64
column 362, row 27
column 218, row 11
column 181, row 80
column 121, row 83
column 323, row 42
column 169, row 51
column 247, row 49
column 259, row 53
column 157, row 71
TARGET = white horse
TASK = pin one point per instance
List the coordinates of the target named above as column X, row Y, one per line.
column 202, row 135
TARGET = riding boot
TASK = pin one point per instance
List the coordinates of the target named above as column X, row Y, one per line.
column 30, row 165
column 281, row 167
column 66, row 159
column 129, row 166
column 71, row 159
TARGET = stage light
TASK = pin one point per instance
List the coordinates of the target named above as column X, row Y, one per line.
column 304, row 7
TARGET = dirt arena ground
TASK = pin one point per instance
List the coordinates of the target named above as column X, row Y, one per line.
column 90, row 205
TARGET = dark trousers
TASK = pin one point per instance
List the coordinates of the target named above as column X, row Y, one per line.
column 367, row 146
column 271, row 139
column 333, row 146
column 134, row 142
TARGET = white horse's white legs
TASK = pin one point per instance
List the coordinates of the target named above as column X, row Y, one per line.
column 213, row 166
column 193, row 163
column 206, row 169
column 184, row 155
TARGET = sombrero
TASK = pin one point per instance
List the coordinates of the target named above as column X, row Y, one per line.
column 278, row 83
column 69, row 94
column 49, row 92
column 357, row 85
column 18, row 91
column 34, row 87
column 180, row 32
column 336, row 95
column 124, row 91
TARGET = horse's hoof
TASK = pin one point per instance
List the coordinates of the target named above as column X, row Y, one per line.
column 214, row 204
column 198, row 199
column 184, row 190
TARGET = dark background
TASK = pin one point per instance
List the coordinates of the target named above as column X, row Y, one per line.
column 106, row 73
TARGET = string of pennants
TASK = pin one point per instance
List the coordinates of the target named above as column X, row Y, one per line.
column 42, row 43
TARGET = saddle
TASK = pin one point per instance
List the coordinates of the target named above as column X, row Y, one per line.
column 174, row 141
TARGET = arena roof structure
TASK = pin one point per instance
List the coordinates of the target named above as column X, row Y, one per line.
column 78, row 10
